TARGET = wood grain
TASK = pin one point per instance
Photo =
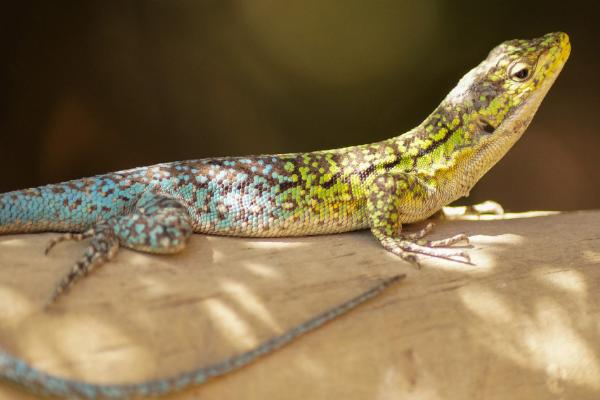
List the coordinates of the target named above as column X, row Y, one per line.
column 522, row 322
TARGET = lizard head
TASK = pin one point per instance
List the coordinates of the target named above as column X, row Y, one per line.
column 493, row 104
column 513, row 80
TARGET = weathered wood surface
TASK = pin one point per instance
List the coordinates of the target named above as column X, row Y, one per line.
column 523, row 322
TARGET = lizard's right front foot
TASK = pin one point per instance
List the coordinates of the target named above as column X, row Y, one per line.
column 488, row 207
column 407, row 246
column 387, row 196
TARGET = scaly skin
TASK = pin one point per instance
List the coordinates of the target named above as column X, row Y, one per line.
column 378, row 186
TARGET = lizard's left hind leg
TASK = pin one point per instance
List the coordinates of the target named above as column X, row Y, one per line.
column 158, row 223
column 102, row 248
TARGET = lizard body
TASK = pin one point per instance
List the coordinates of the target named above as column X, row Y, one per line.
column 379, row 186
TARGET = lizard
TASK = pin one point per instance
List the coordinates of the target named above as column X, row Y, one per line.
column 380, row 186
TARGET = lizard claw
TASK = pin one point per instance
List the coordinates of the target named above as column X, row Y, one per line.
column 410, row 246
column 68, row 236
column 461, row 237
column 411, row 258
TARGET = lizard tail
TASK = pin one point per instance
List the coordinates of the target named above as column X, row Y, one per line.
column 17, row 371
column 71, row 206
column 46, row 208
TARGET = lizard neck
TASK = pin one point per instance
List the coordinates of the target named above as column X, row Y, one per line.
column 437, row 145
column 442, row 153
column 446, row 150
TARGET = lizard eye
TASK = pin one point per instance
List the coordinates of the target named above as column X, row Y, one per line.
column 519, row 71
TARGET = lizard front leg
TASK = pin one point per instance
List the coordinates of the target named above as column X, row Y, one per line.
column 157, row 223
column 488, row 207
column 391, row 195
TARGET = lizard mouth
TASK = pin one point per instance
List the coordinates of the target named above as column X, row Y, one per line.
column 554, row 58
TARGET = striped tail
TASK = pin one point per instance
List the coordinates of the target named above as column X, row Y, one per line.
column 19, row 372
column 47, row 208
column 71, row 206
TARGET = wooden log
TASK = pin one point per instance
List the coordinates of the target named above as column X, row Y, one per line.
column 522, row 322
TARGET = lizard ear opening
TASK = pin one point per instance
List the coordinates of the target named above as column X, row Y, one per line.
column 485, row 125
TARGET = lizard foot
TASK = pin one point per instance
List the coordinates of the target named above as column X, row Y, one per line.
column 409, row 245
column 408, row 250
column 66, row 237
column 157, row 224
column 488, row 207
column 417, row 237
column 385, row 205
column 102, row 248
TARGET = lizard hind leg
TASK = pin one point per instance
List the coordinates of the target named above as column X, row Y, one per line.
column 158, row 224
column 102, row 248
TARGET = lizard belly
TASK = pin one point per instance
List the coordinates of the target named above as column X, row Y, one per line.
column 245, row 214
column 419, row 212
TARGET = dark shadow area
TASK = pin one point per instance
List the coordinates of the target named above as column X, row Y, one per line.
column 96, row 86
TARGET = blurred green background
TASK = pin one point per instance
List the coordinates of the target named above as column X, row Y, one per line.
column 93, row 86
